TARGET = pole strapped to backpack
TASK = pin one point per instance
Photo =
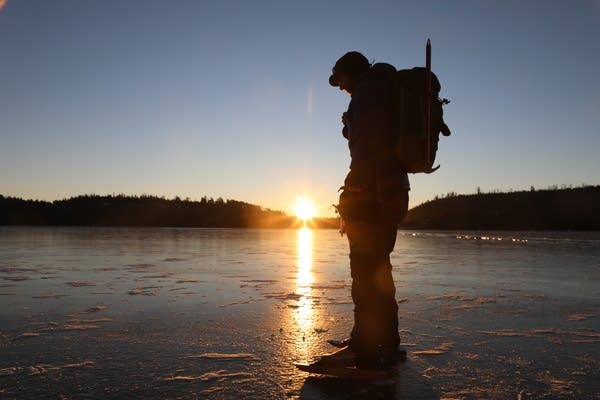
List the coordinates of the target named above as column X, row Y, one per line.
column 428, row 99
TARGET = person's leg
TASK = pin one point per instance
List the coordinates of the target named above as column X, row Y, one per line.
column 386, row 304
column 373, row 290
column 392, row 211
column 374, row 339
column 371, row 229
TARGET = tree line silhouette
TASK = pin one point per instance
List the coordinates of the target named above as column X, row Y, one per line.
column 121, row 210
column 555, row 208
column 547, row 209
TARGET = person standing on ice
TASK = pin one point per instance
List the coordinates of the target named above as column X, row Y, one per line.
column 373, row 202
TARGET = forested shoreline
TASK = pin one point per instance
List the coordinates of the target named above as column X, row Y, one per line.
column 550, row 209
column 122, row 210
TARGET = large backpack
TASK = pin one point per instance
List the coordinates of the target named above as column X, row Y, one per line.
column 418, row 116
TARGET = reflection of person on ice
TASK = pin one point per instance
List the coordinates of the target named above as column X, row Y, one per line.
column 373, row 201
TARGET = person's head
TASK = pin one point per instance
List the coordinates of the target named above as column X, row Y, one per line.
column 347, row 70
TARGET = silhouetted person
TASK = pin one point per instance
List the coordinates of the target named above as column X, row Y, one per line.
column 373, row 201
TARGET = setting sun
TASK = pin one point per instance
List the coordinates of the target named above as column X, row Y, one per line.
column 304, row 209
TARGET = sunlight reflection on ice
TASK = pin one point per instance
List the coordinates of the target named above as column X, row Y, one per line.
column 304, row 278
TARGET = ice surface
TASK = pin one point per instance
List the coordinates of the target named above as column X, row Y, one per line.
column 223, row 313
column 224, row 356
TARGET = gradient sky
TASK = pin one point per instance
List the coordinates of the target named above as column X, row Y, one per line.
column 230, row 98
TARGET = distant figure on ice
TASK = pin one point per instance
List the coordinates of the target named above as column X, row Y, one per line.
column 373, row 202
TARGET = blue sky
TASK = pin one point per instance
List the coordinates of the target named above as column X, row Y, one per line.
column 230, row 99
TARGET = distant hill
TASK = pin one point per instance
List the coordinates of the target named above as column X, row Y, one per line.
column 121, row 210
column 556, row 209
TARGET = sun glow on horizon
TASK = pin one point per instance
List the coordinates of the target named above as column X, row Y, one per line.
column 304, row 209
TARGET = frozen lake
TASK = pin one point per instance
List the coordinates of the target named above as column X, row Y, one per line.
column 222, row 314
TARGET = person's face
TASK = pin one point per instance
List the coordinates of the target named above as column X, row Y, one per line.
column 345, row 82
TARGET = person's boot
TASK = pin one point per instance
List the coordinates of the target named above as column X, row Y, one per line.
column 342, row 357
